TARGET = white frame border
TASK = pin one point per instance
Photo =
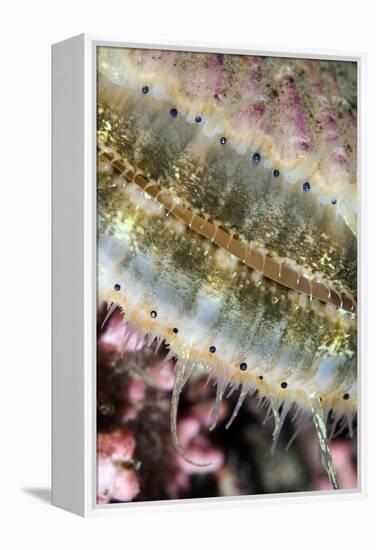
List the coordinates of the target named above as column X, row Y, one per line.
column 87, row 505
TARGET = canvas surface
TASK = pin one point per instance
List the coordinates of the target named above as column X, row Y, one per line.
column 227, row 275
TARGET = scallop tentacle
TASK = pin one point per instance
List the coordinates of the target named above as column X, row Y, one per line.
column 177, row 389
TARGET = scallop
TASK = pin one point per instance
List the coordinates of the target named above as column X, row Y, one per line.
column 227, row 203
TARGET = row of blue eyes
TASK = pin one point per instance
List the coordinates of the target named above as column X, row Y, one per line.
column 256, row 157
column 213, row 349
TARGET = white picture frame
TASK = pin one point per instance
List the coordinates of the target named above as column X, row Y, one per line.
column 74, row 277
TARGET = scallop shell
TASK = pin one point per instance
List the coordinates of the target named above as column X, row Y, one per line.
column 227, row 211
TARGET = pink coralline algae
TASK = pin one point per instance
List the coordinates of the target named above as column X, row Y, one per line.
column 116, row 477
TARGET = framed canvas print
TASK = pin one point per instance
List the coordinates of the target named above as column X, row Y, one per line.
column 205, row 274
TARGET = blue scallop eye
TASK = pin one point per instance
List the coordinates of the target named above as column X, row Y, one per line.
column 145, row 89
column 223, row 140
column 174, row 112
column 306, row 186
column 276, row 173
column 198, row 119
column 212, row 349
column 334, row 201
column 243, row 366
column 256, row 158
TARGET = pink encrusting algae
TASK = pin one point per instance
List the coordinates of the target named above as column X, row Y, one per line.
column 227, row 234
column 115, row 479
